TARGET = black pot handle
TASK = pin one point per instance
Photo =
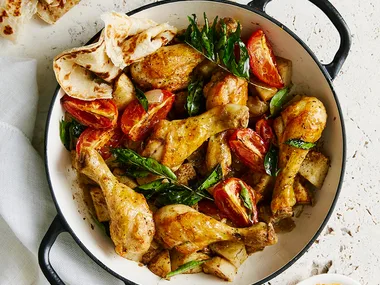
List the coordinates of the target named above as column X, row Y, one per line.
column 47, row 242
column 337, row 20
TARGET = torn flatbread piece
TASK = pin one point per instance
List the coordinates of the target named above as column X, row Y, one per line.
column 13, row 15
column 86, row 73
column 52, row 10
column 130, row 39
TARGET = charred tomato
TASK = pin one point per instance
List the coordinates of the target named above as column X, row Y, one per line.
column 235, row 199
column 97, row 114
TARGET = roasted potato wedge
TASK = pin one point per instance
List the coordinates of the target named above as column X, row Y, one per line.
column 160, row 264
column 119, row 174
column 303, row 195
column 265, row 94
column 285, row 68
column 314, row 168
column 124, row 92
column 251, row 250
column 233, row 251
column 205, row 69
column 256, row 106
column 185, row 173
column 218, row 152
column 178, row 259
column 100, row 204
column 221, row 268
column 154, row 249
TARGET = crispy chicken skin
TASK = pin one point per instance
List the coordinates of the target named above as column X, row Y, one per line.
column 169, row 68
column 305, row 120
column 173, row 141
column 185, row 229
column 131, row 226
column 225, row 88
column 218, row 151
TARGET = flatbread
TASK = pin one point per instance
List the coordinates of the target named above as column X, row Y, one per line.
column 130, row 39
column 13, row 14
column 52, row 10
column 86, row 73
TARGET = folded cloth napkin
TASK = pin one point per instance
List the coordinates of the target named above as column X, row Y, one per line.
column 26, row 208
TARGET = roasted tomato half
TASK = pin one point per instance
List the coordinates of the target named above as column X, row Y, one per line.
column 262, row 60
column 136, row 123
column 249, row 148
column 236, row 200
column 97, row 114
column 265, row 131
column 101, row 140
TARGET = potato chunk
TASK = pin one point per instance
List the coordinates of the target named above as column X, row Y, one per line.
column 160, row 264
column 314, row 168
column 285, row 68
column 256, row 106
column 185, row 173
column 100, row 204
column 303, row 195
column 124, row 92
column 218, row 152
column 221, row 268
column 265, row 94
column 120, row 175
column 233, row 251
column 153, row 250
column 178, row 259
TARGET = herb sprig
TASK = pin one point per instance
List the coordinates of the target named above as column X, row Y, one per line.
column 142, row 98
column 246, row 198
column 271, row 161
column 298, row 143
column 128, row 156
column 166, row 189
column 278, row 101
column 69, row 132
column 170, row 192
column 195, row 99
column 185, row 267
column 221, row 47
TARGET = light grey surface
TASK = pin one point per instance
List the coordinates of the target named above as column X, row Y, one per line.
column 350, row 244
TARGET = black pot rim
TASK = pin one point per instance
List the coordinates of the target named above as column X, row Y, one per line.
column 328, row 79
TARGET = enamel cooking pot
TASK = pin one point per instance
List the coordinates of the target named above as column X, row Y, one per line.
column 74, row 217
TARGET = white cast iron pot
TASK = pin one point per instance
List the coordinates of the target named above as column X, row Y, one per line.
column 314, row 78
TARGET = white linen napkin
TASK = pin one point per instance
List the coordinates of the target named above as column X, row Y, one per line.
column 26, row 208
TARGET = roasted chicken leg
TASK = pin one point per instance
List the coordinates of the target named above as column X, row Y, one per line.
column 187, row 230
column 169, row 68
column 131, row 226
column 173, row 141
column 218, row 152
column 305, row 120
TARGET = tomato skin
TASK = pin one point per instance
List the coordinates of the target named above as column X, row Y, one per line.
column 249, row 148
column 265, row 131
column 97, row 114
column 227, row 199
column 101, row 140
column 115, row 141
column 262, row 59
column 209, row 208
column 137, row 124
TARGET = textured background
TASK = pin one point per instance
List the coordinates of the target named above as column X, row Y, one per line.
column 350, row 243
